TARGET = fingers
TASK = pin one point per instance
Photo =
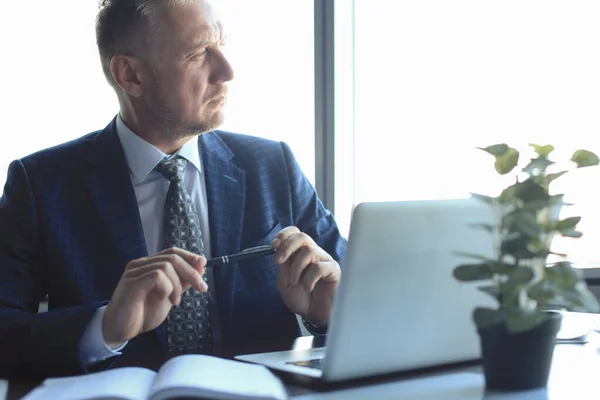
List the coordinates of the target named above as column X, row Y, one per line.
column 302, row 259
column 193, row 259
column 324, row 270
column 289, row 240
column 185, row 272
column 182, row 268
column 156, row 281
column 148, row 289
column 284, row 234
column 160, row 270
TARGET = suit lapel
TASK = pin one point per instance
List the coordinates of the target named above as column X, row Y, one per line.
column 110, row 187
column 226, row 196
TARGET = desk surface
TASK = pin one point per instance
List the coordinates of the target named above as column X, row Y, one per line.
column 574, row 374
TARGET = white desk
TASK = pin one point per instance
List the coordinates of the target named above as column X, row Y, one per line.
column 574, row 375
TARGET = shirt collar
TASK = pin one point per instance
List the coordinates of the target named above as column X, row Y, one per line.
column 142, row 157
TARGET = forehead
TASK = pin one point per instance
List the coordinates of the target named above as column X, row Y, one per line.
column 190, row 24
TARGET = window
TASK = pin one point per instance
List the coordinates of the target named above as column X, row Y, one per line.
column 53, row 89
column 270, row 44
column 434, row 79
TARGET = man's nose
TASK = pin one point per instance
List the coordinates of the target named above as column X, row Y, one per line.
column 222, row 70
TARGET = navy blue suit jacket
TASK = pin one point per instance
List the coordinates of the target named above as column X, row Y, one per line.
column 69, row 224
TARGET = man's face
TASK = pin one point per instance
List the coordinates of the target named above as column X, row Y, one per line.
column 189, row 71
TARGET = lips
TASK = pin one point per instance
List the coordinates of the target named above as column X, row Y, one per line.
column 219, row 98
column 220, row 94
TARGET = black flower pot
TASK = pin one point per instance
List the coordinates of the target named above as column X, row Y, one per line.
column 518, row 361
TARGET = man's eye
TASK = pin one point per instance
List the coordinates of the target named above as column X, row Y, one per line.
column 200, row 54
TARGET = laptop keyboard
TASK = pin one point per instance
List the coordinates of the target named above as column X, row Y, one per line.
column 316, row 363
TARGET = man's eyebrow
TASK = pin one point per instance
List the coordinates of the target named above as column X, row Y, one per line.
column 204, row 43
column 198, row 45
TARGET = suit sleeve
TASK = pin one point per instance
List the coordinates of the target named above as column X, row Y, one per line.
column 32, row 344
column 310, row 215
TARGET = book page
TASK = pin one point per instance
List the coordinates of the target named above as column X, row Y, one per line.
column 120, row 383
column 217, row 378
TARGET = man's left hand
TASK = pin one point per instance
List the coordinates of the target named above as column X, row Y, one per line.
column 308, row 276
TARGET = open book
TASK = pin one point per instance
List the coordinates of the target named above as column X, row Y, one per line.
column 189, row 376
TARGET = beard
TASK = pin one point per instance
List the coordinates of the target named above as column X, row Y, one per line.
column 173, row 124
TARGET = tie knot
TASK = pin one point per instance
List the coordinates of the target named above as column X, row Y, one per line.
column 172, row 167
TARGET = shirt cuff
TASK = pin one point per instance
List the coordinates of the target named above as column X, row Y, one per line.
column 92, row 347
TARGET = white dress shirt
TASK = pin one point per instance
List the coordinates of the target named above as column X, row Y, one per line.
column 150, row 188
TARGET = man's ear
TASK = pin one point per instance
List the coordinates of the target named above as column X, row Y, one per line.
column 127, row 71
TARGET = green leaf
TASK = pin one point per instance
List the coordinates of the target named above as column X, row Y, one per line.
column 567, row 224
column 585, row 158
column 510, row 294
column 496, row 149
column 542, row 151
column 529, row 191
column 556, row 175
column 537, row 165
column 502, row 268
column 563, row 255
column 507, row 162
column 543, row 292
column 509, row 194
column 511, row 288
column 521, row 275
column 571, row 233
column 483, row 198
column 521, row 321
column 537, row 247
column 578, row 300
column 493, row 291
column 486, row 227
column 516, row 247
column 527, row 225
column 563, row 275
column 487, row 317
column 522, row 221
column 470, row 255
column 587, row 299
column 557, row 200
column 473, row 272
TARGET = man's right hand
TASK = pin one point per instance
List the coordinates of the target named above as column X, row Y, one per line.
column 148, row 289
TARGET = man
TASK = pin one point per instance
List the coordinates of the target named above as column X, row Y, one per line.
column 116, row 227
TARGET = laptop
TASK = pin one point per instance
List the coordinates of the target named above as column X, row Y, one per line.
column 398, row 307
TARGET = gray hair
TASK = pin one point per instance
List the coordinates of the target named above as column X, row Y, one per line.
column 129, row 27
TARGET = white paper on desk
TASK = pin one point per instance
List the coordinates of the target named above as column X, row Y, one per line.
column 3, row 389
column 129, row 383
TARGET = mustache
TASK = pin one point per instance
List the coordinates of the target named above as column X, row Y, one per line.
column 220, row 93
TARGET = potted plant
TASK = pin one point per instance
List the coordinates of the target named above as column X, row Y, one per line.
column 517, row 338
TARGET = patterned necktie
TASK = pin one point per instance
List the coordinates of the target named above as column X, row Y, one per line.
column 188, row 323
